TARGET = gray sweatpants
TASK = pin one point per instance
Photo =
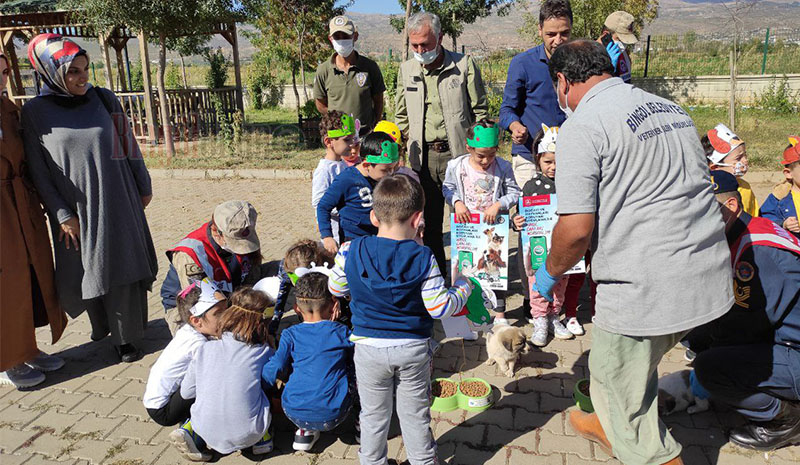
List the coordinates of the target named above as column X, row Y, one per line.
column 123, row 312
column 379, row 372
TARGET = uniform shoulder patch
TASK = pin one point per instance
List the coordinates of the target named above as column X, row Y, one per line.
column 744, row 271
column 361, row 79
column 193, row 269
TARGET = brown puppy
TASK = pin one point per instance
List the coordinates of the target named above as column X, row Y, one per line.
column 504, row 344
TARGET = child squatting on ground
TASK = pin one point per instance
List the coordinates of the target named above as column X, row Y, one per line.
column 396, row 289
column 234, row 414
column 783, row 204
column 318, row 396
column 726, row 152
column 478, row 181
column 351, row 192
column 545, row 314
column 300, row 255
column 200, row 307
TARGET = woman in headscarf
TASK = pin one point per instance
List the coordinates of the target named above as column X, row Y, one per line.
column 90, row 174
column 27, row 292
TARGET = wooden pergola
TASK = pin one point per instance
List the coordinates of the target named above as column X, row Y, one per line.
column 27, row 18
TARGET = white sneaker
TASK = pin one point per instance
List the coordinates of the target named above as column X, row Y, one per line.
column 21, row 376
column 304, row 440
column 501, row 321
column 44, row 362
column 574, row 326
column 558, row 329
column 539, row 336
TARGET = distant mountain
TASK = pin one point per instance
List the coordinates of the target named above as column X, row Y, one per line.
column 703, row 17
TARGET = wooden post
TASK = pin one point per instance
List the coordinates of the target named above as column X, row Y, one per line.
column 152, row 125
column 106, row 60
column 732, row 109
column 237, row 68
column 118, row 45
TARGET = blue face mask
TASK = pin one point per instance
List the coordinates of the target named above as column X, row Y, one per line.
column 566, row 109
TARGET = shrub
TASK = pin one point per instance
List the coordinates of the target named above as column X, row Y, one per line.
column 778, row 97
column 218, row 70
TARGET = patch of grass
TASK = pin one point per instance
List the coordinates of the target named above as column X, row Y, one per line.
column 115, row 450
column 765, row 132
column 277, row 115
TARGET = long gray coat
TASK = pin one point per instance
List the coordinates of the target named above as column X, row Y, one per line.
column 81, row 168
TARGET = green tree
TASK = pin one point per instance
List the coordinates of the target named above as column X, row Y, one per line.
column 218, row 69
column 172, row 78
column 454, row 14
column 294, row 33
column 160, row 20
column 589, row 16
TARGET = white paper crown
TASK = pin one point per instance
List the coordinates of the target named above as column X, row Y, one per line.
column 207, row 298
column 301, row 271
column 548, row 142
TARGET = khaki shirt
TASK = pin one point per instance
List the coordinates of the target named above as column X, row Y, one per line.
column 350, row 92
column 189, row 271
column 434, row 118
column 462, row 101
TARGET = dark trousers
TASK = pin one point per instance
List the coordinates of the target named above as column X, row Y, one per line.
column 752, row 378
column 175, row 411
column 431, row 177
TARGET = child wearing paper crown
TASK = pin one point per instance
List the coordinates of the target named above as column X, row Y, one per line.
column 338, row 132
column 351, row 192
column 783, row 204
column 231, row 411
column 545, row 314
column 726, row 152
column 478, row 181
column 319, row 394
column 200, row 307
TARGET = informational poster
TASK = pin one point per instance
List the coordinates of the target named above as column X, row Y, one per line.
column 540, row 216
column 479, row 250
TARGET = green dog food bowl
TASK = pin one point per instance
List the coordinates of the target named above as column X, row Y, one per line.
column 471, row 401
column 445, row 404
column 583, row 401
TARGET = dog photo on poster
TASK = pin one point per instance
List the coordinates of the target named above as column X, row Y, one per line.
column 540, row 216
column 480, row 250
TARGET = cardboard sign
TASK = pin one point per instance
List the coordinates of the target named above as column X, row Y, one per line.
column 479, row 250
column 540, row 216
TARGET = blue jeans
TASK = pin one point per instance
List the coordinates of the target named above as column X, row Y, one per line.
column 321, row 425
column 751, row 378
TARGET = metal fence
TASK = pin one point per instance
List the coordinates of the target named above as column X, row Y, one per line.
column 768, row 51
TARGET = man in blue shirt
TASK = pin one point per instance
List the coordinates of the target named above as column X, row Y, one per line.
column 529, row 98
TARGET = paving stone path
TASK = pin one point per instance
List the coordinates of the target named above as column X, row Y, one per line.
column 91, row 411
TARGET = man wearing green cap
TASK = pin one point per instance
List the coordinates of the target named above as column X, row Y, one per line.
column 351, row 192
column 440, row 93
column 349, row 82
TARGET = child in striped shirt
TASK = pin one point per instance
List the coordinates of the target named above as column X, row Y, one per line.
column 396, row 291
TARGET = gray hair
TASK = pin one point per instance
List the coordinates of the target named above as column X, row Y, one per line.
column 425, row 18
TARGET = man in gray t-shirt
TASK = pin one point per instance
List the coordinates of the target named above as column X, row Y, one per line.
column 632, row 184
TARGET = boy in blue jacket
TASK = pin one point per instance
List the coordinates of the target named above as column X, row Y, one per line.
column 351, row 191
column 317, row 396
column 783, row 204
column 396, row 289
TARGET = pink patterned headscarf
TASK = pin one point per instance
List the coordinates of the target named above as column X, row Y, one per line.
column 51, row 55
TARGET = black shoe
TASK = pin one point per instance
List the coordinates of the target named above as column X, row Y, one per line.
column 526, row 310
column 128, row 353
column 99, row 335
column 781, row 431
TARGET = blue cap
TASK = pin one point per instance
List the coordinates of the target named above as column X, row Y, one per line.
column 723, row 182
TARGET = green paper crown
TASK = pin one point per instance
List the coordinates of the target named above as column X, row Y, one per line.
column 389, row 153
column 348, row 128
column 484, row 137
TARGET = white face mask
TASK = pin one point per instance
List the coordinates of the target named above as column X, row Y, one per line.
column 739, row 168
column 620, row 45
column 343, row 47
column 428, row 57
column 566, row 109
